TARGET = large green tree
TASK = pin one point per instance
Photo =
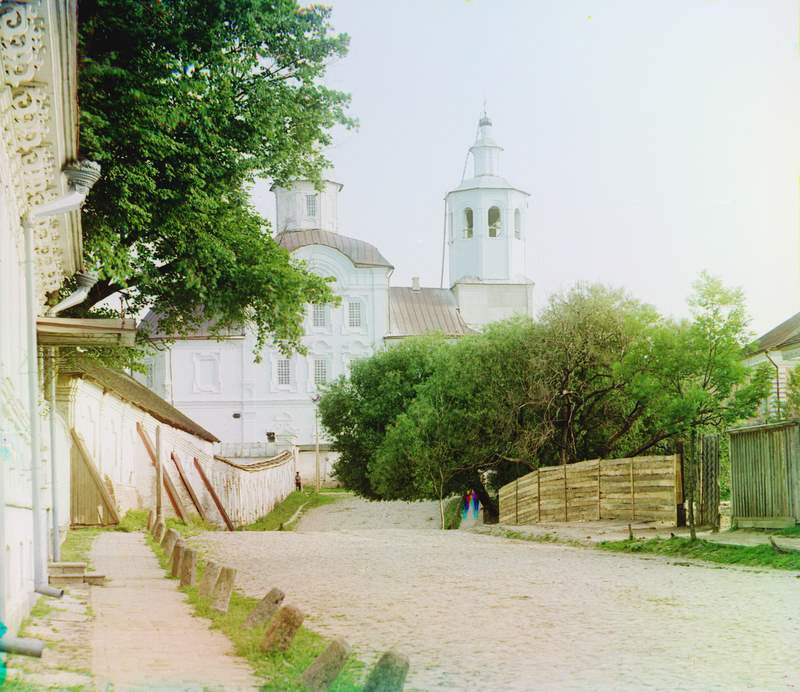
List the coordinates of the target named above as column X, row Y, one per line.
column 356, row 411
column 185, row 103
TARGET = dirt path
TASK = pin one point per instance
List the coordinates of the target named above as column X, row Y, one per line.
column 144, row 635
column 483, row 612
column 354, row 514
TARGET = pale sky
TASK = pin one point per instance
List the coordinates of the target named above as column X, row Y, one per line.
column 657, row 139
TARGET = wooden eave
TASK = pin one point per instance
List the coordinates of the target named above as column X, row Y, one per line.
column 69, row 331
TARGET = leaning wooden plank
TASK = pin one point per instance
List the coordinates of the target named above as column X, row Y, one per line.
column 214, row 496
column 101, row 488
column 188, row 486
column 174, row 498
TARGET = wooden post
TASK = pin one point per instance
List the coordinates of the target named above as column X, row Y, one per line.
column 599, row 511
column 566, row 514
column 538, row 496
column 185, row 479
column 214, row 495
column 633, row 495
column 159, row 476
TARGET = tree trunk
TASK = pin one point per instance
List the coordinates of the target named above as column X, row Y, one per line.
column 491, row 510
column 690, row 478
column 441, row 511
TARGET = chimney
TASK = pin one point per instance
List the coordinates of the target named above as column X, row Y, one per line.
column 415, row 283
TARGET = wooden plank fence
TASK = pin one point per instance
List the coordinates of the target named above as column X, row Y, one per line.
column 765, row 475
column 638, row 488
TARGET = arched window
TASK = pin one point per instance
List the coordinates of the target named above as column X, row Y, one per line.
column 494, row 222
column 468, row 225
column 517, row 224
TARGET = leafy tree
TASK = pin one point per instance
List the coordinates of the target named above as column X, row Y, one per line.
column 583, row 362
column 793, row 393
column 696, row 380
column 184, row 103
column 357, row 411
column 465, row 427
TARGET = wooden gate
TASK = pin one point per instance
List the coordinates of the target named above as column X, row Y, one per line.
column 708, row 482
column 765, row 475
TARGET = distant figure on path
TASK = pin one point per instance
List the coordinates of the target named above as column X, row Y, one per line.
column 298, row 484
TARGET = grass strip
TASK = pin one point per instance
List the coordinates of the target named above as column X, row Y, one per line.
column 277, row 519
column 719, row 553
column 275, row 671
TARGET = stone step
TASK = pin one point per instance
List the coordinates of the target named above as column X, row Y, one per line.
column 66, row 568
column 66, row 579
column 95, row 579
column 72, row 579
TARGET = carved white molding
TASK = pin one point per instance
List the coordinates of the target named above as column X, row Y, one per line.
column 25, row 119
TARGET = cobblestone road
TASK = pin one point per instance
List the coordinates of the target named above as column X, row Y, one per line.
column 482, row 612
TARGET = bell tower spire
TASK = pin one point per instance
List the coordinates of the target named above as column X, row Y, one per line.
column 486, row 217
column 486, row 152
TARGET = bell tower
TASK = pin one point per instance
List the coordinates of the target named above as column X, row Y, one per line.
column 486, row 218
column 486, row 238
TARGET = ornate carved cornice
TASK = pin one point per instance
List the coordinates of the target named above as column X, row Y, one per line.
column 32, row 137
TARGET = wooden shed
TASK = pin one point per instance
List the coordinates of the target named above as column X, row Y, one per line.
column 765, row 475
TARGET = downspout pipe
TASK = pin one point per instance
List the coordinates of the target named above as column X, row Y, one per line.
column 777, row 382
column 81, row 175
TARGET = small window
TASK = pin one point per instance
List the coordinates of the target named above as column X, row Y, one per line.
column 450, row 226
column 311, row 205
column 319, row 315
column 494, row 222
column 468, row 223
column 517, row 224
column 354, row 315
column 320, row 371
column 284, row 371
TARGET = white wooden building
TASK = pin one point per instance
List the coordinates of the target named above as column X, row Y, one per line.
column 219, row 383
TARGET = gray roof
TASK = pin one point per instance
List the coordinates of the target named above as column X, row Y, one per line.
column 125, row 387
column 785, row 334
column 360, row 252
column 424, row 311
column 150, row 327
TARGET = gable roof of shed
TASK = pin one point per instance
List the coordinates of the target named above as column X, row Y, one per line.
column 128, row 389
column 423, row 311
column 787, row 333
column 359, row 252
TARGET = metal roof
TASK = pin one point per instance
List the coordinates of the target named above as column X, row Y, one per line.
column 151, row 328
column 360, row 252
column 125, row 387
column 422, row 311
column 785, row 334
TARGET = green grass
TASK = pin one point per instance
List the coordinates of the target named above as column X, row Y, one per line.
column 277, row 519
column 275, row 671
column 78, row 544
column 452, row 512
column 755, row 556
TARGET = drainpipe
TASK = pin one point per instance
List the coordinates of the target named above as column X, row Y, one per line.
column 777, row 382
column 85, row 283
column 82, row 176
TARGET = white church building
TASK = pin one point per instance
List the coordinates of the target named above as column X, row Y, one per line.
column 250, row 405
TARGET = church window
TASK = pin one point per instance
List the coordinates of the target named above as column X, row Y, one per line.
column 494, row 222
column 311, row 205
column 320, row 371
column 319, row 315
column 284, row 371
column 450, row 225
column 468, row 223
column 354, row 314
column 517, row 224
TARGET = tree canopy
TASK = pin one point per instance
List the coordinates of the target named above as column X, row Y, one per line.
column 185, row 103
column 598, row 375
